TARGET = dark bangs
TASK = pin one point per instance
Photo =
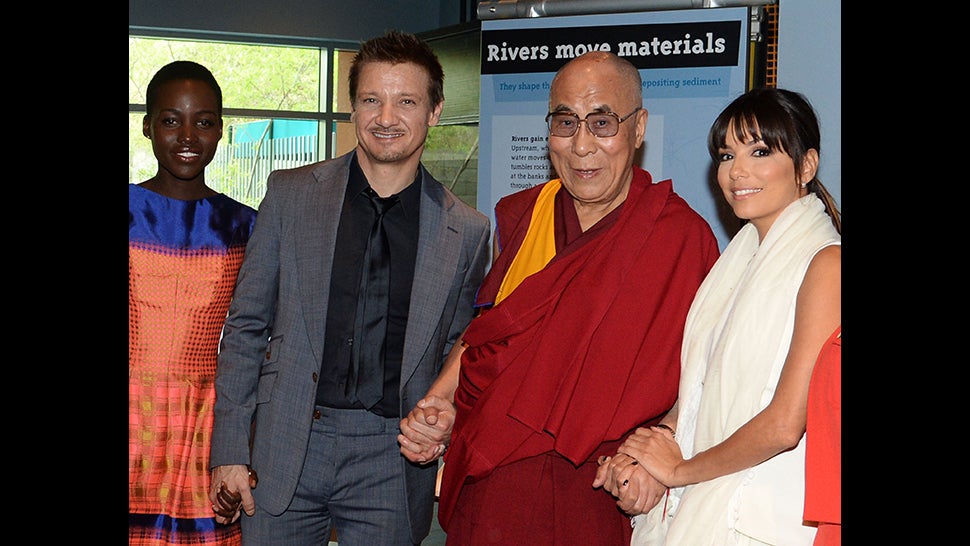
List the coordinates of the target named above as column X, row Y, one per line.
column 774, row 116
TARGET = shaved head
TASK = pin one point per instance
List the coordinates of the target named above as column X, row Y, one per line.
column 628, row 77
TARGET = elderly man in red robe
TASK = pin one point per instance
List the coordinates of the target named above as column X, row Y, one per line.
column 577, row 342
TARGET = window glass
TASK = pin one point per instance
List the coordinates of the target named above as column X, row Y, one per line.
column 286, row 106
column 250, row 148
column 341, row 69
column 251, row 76
column 451, row 155
column 276, row 92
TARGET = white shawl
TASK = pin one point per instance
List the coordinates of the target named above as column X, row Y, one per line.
column 736, row 340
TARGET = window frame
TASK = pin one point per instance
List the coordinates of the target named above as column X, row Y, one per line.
column 457, row 173
column 326, row 48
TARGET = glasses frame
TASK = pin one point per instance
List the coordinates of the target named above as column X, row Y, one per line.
column 619, row 121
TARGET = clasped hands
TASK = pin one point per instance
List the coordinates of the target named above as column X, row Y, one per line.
column 636, row 475
column 426, row 430
column 233, row 494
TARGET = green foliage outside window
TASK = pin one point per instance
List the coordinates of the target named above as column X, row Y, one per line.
column 266, row 83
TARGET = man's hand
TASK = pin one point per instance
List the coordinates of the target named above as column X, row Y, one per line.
column 426, row 430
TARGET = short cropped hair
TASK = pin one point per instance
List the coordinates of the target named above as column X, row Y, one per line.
column 181, row 70
column 397, row 47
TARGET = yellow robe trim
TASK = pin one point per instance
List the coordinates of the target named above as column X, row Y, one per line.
column 539, row 245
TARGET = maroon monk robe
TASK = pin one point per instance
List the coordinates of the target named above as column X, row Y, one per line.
column 585, row 350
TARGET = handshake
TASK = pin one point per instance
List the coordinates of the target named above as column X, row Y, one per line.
column 229, row 503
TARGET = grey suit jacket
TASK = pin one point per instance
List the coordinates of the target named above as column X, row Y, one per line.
column 272, row 346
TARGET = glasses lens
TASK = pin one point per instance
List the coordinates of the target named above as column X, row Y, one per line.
column 563, row 125
column 602, row 125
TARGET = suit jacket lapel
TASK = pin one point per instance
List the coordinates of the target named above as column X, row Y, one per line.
column 439, row 248
column 315, row 243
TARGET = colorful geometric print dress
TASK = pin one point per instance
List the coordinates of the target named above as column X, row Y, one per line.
column 183, row 258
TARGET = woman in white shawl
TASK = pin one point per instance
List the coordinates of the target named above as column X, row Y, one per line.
column 735, row 472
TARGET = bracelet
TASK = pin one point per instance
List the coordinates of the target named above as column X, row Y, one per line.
column 665, row 427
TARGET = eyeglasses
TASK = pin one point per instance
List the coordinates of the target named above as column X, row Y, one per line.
column 600, row 124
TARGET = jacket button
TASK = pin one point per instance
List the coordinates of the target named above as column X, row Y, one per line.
column 316, row 414
column 314, row 377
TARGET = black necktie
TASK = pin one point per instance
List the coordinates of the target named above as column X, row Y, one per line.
column 365, row 382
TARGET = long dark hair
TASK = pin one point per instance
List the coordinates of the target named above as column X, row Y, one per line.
column 784, row 121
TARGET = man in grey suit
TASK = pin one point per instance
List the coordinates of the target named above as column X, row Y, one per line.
column 288, row 409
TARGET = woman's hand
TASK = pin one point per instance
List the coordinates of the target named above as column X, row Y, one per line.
column 635, row 489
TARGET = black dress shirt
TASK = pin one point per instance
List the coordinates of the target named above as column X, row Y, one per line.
column 401, row 226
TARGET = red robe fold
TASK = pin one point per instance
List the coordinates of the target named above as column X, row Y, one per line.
column 585, row 350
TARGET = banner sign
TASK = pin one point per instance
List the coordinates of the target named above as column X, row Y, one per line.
column 692, row 62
